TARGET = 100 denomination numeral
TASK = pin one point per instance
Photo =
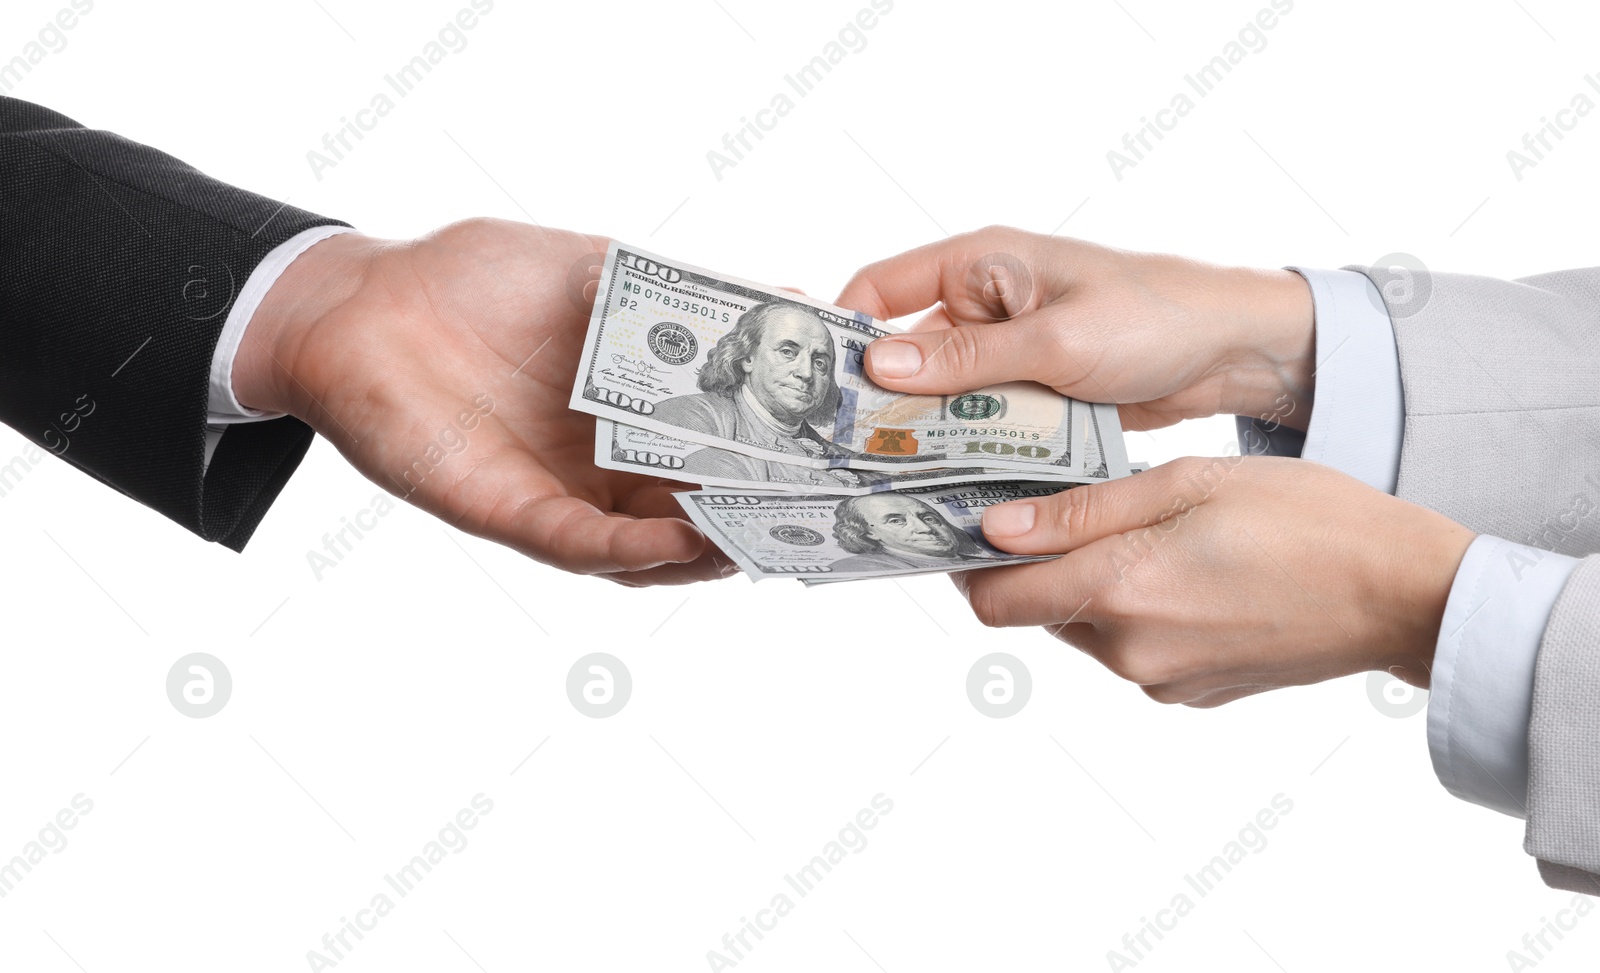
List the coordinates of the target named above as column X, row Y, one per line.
column 649, row 267
column 647, row 458
column 622, row 400
column 994, row 447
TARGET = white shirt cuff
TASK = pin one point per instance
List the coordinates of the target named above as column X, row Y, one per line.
column 223, row 407
column 213, row 437
column 1358, row 411
column 1482, row 695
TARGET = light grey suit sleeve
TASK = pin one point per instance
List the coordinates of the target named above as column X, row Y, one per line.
column 1564, row 739
column 1502, row 434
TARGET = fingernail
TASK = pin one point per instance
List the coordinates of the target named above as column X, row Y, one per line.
column 895, row 359
column 1008, row 519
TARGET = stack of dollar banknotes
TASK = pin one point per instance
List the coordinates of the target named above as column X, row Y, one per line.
column 807, row 467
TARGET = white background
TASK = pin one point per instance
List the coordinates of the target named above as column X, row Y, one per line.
column 370, row 706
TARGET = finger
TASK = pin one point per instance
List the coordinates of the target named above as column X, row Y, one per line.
column 660, row 500
column 1055, row 593
column 942, row 361
column 937, row 319
column 1220, row 697
column 1078, row 634
column 1200, row 695
column 1068, row 520
column 900, row 285
column 575, row 536
column 1083, row 586
column 713, row 565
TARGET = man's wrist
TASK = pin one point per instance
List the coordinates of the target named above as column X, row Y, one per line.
column 1271, row 358
column 314, row 285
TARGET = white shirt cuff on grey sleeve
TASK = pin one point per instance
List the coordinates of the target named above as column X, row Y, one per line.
column 1482, row 693
column 1358, row 411
column 223, row 407
column 1500, row 601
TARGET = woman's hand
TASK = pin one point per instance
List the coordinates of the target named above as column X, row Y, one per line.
column 1204, row 580
column 1164, row 337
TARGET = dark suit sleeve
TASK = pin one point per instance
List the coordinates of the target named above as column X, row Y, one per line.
column 118, row 266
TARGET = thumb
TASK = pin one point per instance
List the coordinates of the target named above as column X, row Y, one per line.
column 943, row 361
column 1082, row 515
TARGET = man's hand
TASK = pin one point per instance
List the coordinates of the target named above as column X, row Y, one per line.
column 1164, row 337
column 395, row 350
column 1204, row 580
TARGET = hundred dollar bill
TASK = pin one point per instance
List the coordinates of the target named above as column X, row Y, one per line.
column 773, row 375
column 633, row 450
column 1099, row 472
column 924, row 530
column 1105, row 454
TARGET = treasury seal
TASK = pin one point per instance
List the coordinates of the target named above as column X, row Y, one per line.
column 970, row 408
column 796, row 535
column 672, row 343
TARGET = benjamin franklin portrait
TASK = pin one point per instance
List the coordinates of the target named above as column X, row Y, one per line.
column 893, row 531
column 765, row 384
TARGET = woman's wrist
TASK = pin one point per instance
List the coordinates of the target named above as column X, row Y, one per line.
column 1272, row 357
column 1421, row 560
